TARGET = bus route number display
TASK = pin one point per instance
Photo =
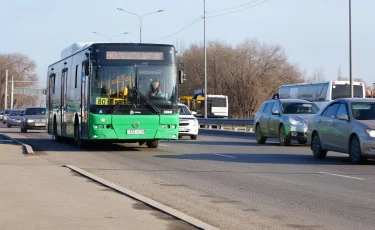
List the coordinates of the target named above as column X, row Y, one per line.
column 101, row 101
column 126, row 55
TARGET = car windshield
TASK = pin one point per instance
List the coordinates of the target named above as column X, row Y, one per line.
column 363, row 110
column 35, row 111
column 299, row 108
column 184, row 110
column 16, row 113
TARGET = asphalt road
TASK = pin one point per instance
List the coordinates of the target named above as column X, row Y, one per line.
column 231, row 182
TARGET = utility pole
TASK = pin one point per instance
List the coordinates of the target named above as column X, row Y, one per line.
column 205, row 61
column 350, row 49
column 6, row 90
column 11, row 97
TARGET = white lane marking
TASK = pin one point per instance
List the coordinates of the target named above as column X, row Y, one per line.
column 351, row 177
column 222, row 155
column 164, row 145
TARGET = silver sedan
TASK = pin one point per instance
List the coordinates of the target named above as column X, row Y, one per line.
column 346, row 126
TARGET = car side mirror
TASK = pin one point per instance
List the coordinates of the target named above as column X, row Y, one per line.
column 193, row 113
column 276, row 112
column 343, row 117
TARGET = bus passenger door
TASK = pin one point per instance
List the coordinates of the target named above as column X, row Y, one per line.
column 84, row 96
column 64, row 79
column 50, row 98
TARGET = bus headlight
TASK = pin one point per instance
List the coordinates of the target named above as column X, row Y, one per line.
column 30, row 121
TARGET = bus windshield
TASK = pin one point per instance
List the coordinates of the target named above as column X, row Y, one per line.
column 343, row 91
column 158, row 84
column 217, row 101
column 112, row 87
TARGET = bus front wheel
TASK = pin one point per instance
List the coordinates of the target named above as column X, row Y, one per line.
column 152, row 144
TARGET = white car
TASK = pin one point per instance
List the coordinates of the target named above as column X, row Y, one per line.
column 188, row 123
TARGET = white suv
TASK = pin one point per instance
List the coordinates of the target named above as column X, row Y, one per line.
column 188, row 123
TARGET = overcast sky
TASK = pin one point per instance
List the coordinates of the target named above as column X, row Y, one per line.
column 314, row 33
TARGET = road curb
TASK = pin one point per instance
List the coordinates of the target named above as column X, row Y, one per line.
column 191, row 220
column 26, row 149
column 227, row 132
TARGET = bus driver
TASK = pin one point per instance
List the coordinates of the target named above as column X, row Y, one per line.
column 154, row 89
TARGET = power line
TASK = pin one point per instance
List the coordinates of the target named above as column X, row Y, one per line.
column 201, row 17
column 190, row 24
column 214, row 16
column 231, row 8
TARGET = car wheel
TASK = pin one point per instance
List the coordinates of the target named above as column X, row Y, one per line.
column 302, row 142
column 316, row 147
column 25, row 130
column 284, row 139
column 9, row 126
column 355, row 151
column 152, row 144
column 179, row 136
column 193, row 137
column 258, row 133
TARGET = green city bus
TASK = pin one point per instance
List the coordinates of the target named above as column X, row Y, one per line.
column 114, row 92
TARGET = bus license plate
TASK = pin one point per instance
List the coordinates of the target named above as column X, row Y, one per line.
column 39, row 124
column 135, row 131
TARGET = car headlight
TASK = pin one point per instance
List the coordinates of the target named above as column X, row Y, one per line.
column 195, row 122
column 370, row 132
column 295, row 121
column 30, row 121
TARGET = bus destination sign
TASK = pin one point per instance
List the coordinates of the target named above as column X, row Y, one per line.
column 126, row 55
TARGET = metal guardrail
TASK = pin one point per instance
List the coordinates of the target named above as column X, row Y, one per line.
column 240, row 124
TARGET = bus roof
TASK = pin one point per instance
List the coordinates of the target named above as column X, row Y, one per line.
column 80, row 46
column 325, row 82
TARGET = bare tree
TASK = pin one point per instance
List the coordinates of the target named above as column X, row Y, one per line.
column 248, row 73
column 22, row 68
column 317, row 76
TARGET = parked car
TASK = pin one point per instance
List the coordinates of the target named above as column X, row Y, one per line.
column 34, row 118
column 188, row 123
column 284, row 119
column 346, row 126
column 1, row 115
column 14, row 118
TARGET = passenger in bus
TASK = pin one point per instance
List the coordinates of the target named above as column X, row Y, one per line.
column 154, row 88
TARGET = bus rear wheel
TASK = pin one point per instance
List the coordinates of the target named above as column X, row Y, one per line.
column 77, row 137
column 152, row 144
column 57, row 138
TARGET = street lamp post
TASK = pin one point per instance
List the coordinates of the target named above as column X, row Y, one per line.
column 205, row 60
column 350, row 49
column 109, row 37
column 140, row 17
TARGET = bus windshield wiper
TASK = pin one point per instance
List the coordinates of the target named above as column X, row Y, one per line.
column 157, row 110
column 116, row 106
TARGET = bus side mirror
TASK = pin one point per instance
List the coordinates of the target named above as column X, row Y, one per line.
column 181, row 77
column 87, row 70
